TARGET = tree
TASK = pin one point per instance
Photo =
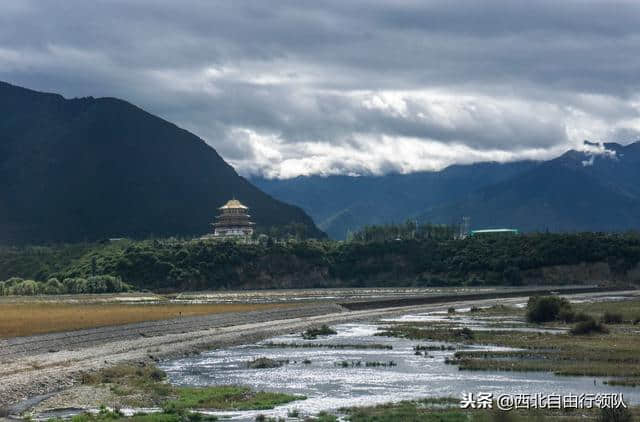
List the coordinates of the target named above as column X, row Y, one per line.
column 512, row 276
column 545, row 308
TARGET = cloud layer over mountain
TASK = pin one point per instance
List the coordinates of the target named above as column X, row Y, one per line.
column 346, row 87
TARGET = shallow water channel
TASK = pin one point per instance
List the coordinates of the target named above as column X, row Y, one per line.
column 329, row 386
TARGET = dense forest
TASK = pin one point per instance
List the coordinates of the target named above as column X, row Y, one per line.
column 408, row 230
column 175, row 264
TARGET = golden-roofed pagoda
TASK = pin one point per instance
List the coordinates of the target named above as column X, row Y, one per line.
column 233, row 204
column 233, row 221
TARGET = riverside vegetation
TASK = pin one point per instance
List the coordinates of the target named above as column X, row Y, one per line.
column 447, row 409
column 69, row 285
column 144, row 385
column 313, row 333
column 373, row 258
column 425, row 410
column 590, row 339
column 180, row 404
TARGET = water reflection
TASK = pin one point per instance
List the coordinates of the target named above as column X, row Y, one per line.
column 330, row 386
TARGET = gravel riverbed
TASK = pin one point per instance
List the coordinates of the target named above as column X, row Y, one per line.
column 40, row 365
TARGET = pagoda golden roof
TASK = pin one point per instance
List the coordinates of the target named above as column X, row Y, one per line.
column 234, row 204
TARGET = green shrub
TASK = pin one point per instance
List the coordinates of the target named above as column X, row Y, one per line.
column 466, row 333
column 75, row 285
column 587, row 327
column 546, row 308
column 612, row 318
column 265, row 363
column 13, row 281
column 566, row 315
column 581, row 316
column 53, row 287
column 78, row 285
column 25, row 288
column 325, row 417
column 313, row 333
column 157, row 374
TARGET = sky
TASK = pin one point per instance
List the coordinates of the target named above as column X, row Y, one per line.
column 288, row 88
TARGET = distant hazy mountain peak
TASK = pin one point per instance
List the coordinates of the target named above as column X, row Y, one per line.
column 604, row 150
column 592, row 187
column 587, row 144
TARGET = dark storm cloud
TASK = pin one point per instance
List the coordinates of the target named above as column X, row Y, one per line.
column 286, row 88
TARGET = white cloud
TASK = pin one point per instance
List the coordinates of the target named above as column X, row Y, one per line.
column 340, row 87
column 364, row 155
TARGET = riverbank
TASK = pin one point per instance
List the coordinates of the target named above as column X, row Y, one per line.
column 33, row 366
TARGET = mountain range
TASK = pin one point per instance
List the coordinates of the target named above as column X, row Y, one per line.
column 592, row 190
column 86, row 169
column 92, row 168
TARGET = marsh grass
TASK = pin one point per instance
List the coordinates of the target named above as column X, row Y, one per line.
column 376, row 364
column 132, row 382
column 615, row 353
column 114, row 416
column 405, row 411
column 227, row 398
column 266, row 363
column 427, row 410
column 448, row 410
column 148, row 385
column 366, row 364
column 313, row 333
column 574, row 368
column 628, row 382
column 422, row 348
column 372, row 346
column 628, row 309
column 323, row 417
column 347, row 363
column 496, row 310
column 30, row 318
column 412, row 332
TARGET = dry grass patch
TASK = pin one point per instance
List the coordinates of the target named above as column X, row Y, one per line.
column 38, row 318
